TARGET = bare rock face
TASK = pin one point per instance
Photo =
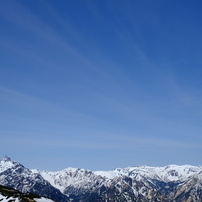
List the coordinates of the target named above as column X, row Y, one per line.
column 134, row 184
column 190, row 190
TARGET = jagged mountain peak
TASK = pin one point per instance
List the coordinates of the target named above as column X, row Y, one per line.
column 6, row 163
column 6, row 158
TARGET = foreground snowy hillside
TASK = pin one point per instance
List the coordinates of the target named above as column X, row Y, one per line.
column 8, row 194
column 13, row 199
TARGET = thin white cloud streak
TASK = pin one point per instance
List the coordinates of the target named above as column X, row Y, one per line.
column 147, row 115
column 104, row 142
column 125, row 37
column 177, row 95
column 29, row 21
column 17, row 14
column 25, row 100
column 66, row 25
column 184, row 94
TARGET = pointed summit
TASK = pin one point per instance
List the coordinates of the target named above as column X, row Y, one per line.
column 6, row 158
column 6, row 163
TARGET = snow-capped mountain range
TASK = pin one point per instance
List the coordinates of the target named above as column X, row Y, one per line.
column 140, row 183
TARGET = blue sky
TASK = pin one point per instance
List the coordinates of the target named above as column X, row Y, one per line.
column 101, row 84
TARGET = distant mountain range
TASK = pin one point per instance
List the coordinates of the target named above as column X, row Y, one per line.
column 172, row 183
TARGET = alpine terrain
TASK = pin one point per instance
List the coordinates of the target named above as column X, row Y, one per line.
column 8, row 194
column 140, row 183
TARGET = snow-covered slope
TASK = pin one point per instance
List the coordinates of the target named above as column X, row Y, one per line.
column 77, row 177
column 168, row 173
column 71, row 177
column 139, row 183
column 6, row 199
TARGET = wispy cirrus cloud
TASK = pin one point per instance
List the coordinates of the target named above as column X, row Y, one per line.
column 91, row 141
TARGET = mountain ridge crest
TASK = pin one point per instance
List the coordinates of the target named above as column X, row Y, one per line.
column 135, row 183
